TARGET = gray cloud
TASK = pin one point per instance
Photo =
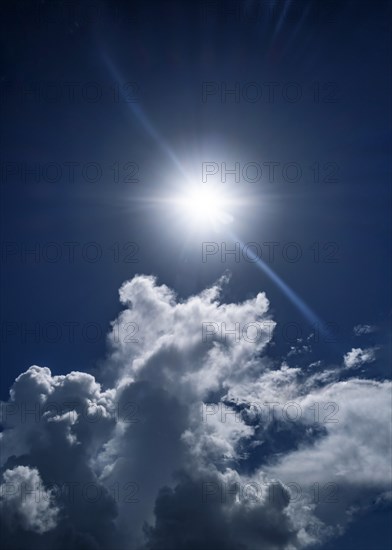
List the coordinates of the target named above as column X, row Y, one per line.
column 123, row 463
column 25, row 502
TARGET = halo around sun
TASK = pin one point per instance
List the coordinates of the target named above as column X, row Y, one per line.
column 205, row 205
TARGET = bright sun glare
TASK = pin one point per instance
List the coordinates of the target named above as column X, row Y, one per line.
column 205, row 205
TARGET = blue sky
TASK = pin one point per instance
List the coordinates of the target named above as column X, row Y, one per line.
column 110, row 114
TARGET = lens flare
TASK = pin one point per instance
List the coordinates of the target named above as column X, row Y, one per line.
column 205, row 205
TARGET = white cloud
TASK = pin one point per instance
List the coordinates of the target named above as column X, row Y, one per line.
column 141, row 441
column 358, row 357
column 25, row 502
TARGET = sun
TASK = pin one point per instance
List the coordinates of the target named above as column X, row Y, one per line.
column 205, row 205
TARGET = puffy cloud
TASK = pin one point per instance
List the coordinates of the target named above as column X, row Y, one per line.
column 216, row 512
column 25, row 502
column 187, row 342
column 358, row 357
column 55, row 425
column 193, row 437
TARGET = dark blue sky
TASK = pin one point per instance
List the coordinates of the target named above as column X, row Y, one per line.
column 61, row 105
column 167, row 51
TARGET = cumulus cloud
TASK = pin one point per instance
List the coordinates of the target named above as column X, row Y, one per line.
column 25, row 502
column 358, row 357
column 217, row 513
column 192, row 437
